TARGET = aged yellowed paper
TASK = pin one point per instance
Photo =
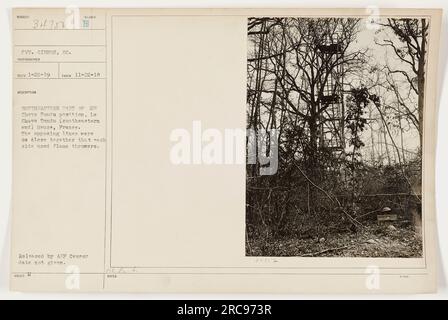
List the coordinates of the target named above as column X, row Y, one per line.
column 224, row 150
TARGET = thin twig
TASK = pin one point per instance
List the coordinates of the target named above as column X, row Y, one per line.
column 324, row 251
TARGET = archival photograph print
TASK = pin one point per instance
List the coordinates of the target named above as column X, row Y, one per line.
column 335, row 112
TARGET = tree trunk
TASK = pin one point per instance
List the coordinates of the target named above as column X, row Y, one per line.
column 421, row 82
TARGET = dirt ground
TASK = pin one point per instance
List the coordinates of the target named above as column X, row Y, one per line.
column 372, row 241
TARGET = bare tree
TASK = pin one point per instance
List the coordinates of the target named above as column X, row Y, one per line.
column 411, row 50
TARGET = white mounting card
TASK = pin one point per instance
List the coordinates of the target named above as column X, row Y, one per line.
column 224, row 150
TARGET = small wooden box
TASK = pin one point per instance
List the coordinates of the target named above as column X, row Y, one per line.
column 386, row 218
